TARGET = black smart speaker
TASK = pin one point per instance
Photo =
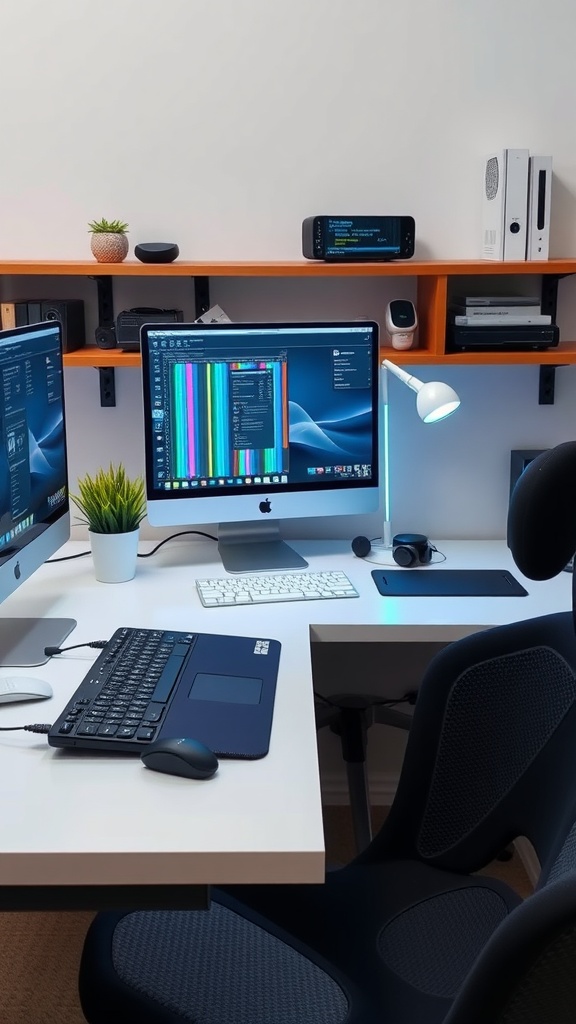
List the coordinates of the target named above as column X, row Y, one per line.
column 411, row 549
column 408, row 549
column 156, row 252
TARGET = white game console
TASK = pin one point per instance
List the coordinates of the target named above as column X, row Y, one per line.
column 505, row 206
column 539, row 201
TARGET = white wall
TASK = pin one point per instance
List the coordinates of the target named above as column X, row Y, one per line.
column 221, row 123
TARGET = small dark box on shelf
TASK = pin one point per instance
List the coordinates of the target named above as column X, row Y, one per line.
column 70, row 313
column 499, row 339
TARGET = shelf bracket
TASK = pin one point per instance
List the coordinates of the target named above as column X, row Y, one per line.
column 105, row 292
column 546, row 385
column 107, row 387
column 106, row 326
column 549, row 305
column 201, row 295
column 549, row 294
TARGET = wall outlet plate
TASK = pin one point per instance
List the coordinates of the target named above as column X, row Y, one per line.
column 519, row 459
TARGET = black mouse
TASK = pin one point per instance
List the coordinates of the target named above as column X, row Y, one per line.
column 189, row 758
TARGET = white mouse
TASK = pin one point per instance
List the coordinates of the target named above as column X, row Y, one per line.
column 20, row 688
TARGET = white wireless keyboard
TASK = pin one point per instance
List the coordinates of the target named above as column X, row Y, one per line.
column 265, row 587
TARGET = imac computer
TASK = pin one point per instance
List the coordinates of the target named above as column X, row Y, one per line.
column 248, row 424
column 34, row 506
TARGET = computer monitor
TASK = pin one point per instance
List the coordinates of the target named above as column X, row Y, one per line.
column 34, row 506
column 252, row 422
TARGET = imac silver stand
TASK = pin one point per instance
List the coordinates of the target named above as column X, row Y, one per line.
column 256, row 547
column 22, row 641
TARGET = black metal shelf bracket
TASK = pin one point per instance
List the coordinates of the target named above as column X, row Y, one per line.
column 549, row 294
column 549, row 305
column 546, row 385
column 201, row 295
column 107, row 386
column 105, row 294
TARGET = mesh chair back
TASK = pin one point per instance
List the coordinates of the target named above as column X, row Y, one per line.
column 490, row 751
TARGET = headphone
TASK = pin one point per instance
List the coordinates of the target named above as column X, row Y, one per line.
column 408, row 549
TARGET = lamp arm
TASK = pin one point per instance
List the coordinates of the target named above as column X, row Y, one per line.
column 407, row 378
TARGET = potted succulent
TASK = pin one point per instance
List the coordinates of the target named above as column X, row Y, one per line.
column 109, row 243
column 112, row 507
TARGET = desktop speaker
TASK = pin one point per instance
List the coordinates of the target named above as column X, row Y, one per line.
column 408, row 549
column 70, row 313
column 411, row 549
column 156, row 252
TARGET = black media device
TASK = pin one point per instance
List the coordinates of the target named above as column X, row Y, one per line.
column 496, row 338
column 129, row 322
column 353, row 239
column 156, row 252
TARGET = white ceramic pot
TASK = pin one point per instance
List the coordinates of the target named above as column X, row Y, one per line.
column 114, row 555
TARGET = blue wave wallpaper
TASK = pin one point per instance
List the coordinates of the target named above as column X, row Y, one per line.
column 327, row 425
column 33, row 466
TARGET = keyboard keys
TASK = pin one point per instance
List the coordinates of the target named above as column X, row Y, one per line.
column 267, row 588
column 129, row 688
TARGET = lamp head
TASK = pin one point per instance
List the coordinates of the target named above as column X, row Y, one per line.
column 435, row 401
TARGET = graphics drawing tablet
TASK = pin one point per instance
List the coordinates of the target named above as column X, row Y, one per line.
column 447, row 583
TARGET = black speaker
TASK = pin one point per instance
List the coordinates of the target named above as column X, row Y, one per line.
column 408, row 549
column 411, row 549
column 70, row 313
column 105, row 336
column 156, row 252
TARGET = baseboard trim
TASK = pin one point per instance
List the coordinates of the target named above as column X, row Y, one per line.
column 382, row 788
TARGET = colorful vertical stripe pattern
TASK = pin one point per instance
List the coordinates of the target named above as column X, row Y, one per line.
column 201, row 428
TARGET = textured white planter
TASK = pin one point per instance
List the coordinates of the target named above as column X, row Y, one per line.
column 114, row 555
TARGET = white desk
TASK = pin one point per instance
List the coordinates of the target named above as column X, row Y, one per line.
column 71, row 819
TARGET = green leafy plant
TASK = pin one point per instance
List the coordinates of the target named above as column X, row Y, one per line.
column 110, row 502
column 110, row 227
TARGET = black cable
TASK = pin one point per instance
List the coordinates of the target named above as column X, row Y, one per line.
column 44, row 728
column 51, row 651
column 182, row 533
column 66, row 558
column 145, row 554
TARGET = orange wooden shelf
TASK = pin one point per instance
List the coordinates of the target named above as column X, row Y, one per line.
column 433, row 280
column 91, row 355
column 563, row 354
column 285, row 268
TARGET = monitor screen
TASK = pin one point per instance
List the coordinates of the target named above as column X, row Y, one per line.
column 249, row 424
column 34, row 508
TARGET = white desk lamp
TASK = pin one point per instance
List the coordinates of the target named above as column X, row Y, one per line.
column 434, row 401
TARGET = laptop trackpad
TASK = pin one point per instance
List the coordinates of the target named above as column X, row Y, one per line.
column 226, row 689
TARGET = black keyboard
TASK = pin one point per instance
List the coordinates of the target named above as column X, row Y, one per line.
column 123, row 699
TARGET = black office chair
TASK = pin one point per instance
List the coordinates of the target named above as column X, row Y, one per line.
column 407, row 933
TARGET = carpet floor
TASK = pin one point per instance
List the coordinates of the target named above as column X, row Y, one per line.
column 40, row 952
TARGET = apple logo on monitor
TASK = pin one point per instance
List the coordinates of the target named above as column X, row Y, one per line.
column 265, row 506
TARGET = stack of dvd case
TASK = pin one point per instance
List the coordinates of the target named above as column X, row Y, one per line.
column 495, row 322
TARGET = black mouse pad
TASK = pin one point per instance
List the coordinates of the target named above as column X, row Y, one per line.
column 447, row 583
